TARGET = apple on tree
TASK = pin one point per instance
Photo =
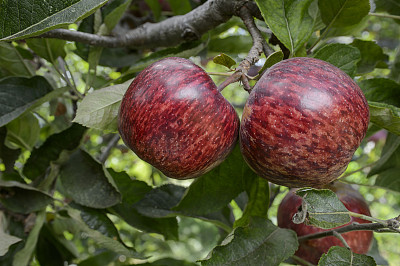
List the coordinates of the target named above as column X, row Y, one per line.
column 302, row 123
column 173, row 117
column 312, row 250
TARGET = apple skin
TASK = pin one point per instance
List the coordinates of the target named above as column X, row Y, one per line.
column 173, row 117
column 312, row 250
column 302, row 123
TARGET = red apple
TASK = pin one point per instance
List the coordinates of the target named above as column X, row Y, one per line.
column 302, row 123
column 312, row 250
column 173, row 117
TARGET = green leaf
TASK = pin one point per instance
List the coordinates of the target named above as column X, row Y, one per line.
column 102, row 240
column 215, row 189
column 85, row 181
column 342, row 256
column 389, row 155
column 324, row 208
column 272, row 59
column 22, row 198
column 291, row 21
column 155, row 7
column 7, row 241
column 13, row 63
column 23, row 132
column 51, row 149
column 389, row 179
column 231, row 44
column 180, row 7
column 258, row 202
column 19, row 94
column 23, row 257
column 99, row 109
column 385, row 115
column 381, row 90
column 49, row 49
column 25, row 18
column 7, row 156
column 371, row 56
column 341, row 13
column 342, row 56
column 113, row 12
column 224, row 60
column 258, row 243
column 387, row 168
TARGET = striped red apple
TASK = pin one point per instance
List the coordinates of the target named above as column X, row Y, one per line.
column 173, row 117
column 302, row 123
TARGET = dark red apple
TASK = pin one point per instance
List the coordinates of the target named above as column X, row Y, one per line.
column 302, row 123
column 173, row 117
column 312, row 250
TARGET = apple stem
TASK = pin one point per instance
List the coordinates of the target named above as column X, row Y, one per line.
column 220, row 74
column 340, row 237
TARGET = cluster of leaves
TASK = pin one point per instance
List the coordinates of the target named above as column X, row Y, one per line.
column 59, row 197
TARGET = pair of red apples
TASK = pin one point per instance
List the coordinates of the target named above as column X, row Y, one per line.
column 301, row 124
column 300, row 127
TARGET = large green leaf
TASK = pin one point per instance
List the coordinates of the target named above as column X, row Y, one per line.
column 7, row 241
column 99, row 109
column 290, row 20
column 23, row 132
column 323, row 208
column 387, row 168
column 19, row 94
column 385, row 115
column 259, row 243
column 113, row 12
column 341, row 13
column 100, row 259
column 371, row 56
column 381, row 90
column 22, row 198
column 230, row 44
column 13, row 63
column 85, row 181
column 340, row 55
column 214, row 190
column 390, row 6
column 26, row 18
column 395, row 68
column 343, row 256
column 51, row 150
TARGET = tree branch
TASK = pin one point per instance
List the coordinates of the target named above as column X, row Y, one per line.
column 377, row 227
column 259, row 46
column 167, row 33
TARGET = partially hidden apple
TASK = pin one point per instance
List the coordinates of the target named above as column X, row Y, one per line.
column 312, row 250
column 302, row 123
column 173, row 117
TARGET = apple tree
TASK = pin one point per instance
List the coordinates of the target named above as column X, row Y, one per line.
column 73, row 192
